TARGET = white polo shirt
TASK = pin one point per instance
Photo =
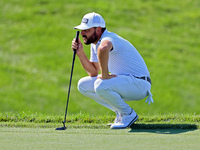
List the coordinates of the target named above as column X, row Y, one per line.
column 124, row 59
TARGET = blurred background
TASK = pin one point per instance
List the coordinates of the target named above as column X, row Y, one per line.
column 36, row 55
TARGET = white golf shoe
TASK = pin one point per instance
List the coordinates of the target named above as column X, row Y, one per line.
column 125, row 121
column 116, row 119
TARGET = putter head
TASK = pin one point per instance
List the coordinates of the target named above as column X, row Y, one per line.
column 61, row 128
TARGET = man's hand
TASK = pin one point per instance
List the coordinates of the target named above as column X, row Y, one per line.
column 77, row 45
column 109, row 76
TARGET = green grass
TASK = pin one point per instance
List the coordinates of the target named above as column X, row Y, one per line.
column 98, row 139
column 35, row 65
column 35, row 53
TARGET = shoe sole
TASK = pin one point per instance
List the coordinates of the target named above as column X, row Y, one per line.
column 134, row 120
column 109, row 124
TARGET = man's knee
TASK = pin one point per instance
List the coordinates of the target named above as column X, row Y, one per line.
column 82, row 85
column 86, row 84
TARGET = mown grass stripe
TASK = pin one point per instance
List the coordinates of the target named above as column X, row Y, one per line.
column 100, row 126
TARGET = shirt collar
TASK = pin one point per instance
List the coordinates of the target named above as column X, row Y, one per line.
column 103, row 35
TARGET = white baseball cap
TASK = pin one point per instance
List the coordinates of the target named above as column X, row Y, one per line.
column 91, row 20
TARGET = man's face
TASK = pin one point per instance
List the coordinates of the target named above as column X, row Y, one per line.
column 89, row 36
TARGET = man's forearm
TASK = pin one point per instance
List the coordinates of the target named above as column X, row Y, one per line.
column 103, row 61
column 103, row 56
column 89, row 66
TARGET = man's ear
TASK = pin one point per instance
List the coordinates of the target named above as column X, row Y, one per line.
column 98, row 29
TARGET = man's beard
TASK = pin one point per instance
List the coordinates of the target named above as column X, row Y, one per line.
column 90, row 39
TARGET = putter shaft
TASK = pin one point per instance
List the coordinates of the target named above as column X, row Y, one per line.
column 74, row 55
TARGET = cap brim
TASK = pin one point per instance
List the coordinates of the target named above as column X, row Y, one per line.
column 82, row 27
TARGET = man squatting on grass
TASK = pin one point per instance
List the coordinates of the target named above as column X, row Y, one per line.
column 123, row 73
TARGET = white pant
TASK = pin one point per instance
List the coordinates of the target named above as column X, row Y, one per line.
column 112, row 93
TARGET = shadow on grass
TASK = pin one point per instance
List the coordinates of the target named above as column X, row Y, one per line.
column 163, row 128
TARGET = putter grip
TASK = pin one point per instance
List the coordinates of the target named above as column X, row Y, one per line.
column 77, row 35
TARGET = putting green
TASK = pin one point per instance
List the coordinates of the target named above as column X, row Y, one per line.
column 49, row 138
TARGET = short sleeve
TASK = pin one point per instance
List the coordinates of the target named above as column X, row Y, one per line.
column 93, row 54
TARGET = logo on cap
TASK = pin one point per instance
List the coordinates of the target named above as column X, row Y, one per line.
column 85, row 20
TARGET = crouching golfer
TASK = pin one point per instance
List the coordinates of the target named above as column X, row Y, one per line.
column 123, row 73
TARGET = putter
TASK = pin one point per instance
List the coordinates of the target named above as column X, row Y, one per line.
column 74, row 54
